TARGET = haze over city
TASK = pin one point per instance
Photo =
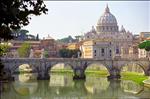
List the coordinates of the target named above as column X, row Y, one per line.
column 77, row 17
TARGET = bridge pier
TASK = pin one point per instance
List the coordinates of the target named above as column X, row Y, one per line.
column 114, row 74
column 147, row 73
column 7, row 75
column 43, row 76
column 79, row 74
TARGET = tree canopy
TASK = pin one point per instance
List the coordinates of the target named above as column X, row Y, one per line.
column 24, row 50
column 4, row 48
column 145, row 45
column 15, row 14
column 67, row 53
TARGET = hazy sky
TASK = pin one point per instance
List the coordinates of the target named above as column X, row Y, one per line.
column 77, row 17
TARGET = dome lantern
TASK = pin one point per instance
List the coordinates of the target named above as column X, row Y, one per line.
column 107, row 9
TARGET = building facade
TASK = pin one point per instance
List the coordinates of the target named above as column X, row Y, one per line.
column 107, row 41
column 38, row 48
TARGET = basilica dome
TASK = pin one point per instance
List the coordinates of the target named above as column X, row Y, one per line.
column 107, row 22
column 107, row 18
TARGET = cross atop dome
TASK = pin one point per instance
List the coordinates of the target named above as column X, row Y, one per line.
column 107, row 9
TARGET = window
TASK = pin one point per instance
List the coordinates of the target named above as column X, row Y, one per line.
column 102, row 50
column 110, row 51
column 103, row 28
column 117, row 51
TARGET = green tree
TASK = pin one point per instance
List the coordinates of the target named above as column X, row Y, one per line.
column 66, row 39
column 15, row 14
column 63, row 53
column 67, row 53
column 4, row 48
column 24, row 50
column 145, row 45
column 46, row 55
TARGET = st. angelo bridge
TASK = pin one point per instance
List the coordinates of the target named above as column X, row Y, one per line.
column 78, row 65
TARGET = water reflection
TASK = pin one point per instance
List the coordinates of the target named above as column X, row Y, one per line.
column 96, row 85
column 25, row 84
column 26, row 77
column 131, row 87
column 62, row 86
column 60, row 80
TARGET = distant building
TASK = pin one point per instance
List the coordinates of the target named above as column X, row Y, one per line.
column 144, row 36
column 143, row 53
column 73, row 46
column 35, row 45
column 48, row 45
column 107, row 41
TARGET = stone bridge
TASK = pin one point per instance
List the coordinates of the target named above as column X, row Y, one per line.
column 78, row 65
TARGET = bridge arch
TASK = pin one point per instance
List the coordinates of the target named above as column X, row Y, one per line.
column 97, row 66
column 63, row 66
column 24, row 67
column 133, row 66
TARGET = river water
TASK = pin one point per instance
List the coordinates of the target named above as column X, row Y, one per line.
column 62, row 86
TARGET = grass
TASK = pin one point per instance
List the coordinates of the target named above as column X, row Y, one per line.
column 136, row 77
column 62, row 71
column 103, row 73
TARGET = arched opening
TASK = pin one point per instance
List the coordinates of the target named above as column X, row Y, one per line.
column 61, row 68
column 134, row 72
column 24, row 68
column 61, row 75
column 24, row 73
column 133, row 67
column 96, row 69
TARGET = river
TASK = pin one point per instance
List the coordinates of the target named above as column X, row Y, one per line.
column 62, row 86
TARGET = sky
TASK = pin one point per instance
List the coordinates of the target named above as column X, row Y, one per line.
column 73, row 18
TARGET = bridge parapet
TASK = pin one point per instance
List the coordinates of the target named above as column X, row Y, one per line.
column 79, row 65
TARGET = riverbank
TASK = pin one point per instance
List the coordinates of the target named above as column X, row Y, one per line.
column 147, row 82
column 136, row 77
